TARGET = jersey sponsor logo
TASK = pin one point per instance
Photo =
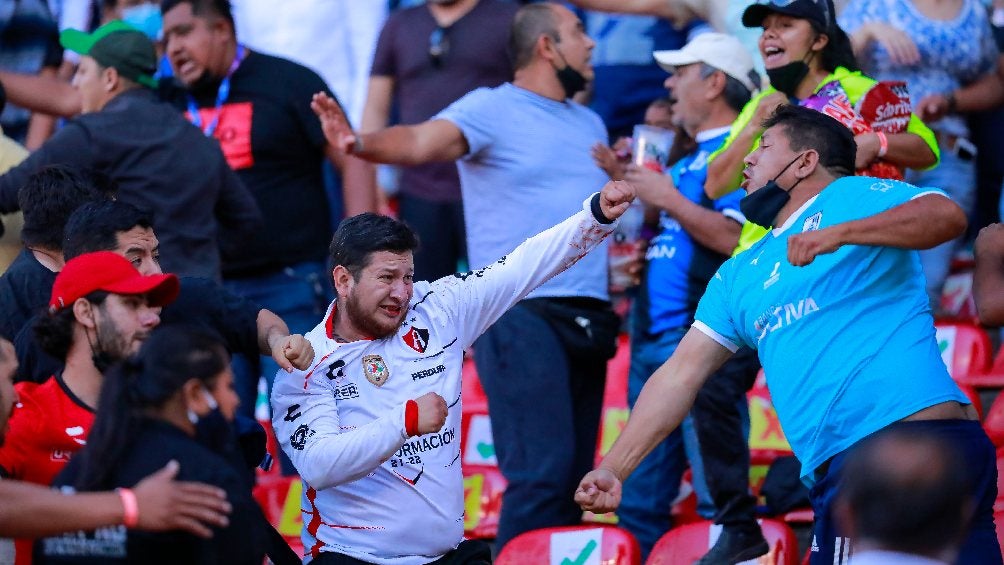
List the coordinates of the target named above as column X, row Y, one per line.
column 60, row 455
column 426, row 443
column 783, row 315
column 336, row 370
column 417, row 339
column 74, row 432
column 299, row 438
column 292, row 413
column 774, row 276
column 233, row 132
column 881, row 185
column 375, row 369
column 812, row 222
column 346, row 391
column 660, row 251
column 418, row 375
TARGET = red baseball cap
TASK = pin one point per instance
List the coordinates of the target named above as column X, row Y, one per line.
column 112, row 273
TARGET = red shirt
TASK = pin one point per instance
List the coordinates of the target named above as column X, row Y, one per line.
column 45, row 429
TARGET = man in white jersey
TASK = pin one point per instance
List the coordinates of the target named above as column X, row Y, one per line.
column 834, row 303
column 373, row 426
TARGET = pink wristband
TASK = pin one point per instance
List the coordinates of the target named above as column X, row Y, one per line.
column 130, row 508
column 883, row 143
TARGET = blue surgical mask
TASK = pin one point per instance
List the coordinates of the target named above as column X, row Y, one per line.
column 144, row 17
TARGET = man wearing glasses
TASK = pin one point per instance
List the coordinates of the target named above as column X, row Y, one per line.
column 427, row 57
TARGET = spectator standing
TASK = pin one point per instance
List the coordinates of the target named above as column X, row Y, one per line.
column 543, row 363
column 712, row 79
column 936, row 48
column 374, row 428
column 839, row 276
column 257, row 107
column 428, row 57
column 160, row 162
column 809, row 62
column 29, row 44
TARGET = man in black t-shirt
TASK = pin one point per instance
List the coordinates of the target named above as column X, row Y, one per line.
column 258, row 108
column 427, row 57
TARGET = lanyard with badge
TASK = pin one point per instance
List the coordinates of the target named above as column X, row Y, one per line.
column 221, row 96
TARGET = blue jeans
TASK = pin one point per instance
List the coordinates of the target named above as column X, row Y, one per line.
column 650, row 490
column 545, row 414
column 829, row 545
column 299, row 294
column 957, row 177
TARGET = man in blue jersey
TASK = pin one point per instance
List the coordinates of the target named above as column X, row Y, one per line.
column 712, row 79
column 833, row 301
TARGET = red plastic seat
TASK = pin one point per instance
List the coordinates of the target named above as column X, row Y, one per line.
column 966, row 351
column 686, row 544
column 280, row 501
column 483, row 489
column 582, row 545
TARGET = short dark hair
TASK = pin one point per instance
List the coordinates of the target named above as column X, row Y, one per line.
column 907, row 490
column 735, row 93
column 51, row 195
column 202, row 8
column 95, row 226
column 531, row 21
column 358, row 237
column 54, row 330
column 809, row 129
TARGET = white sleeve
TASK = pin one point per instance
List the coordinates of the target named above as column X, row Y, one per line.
column 475, row 300
column 307, row 427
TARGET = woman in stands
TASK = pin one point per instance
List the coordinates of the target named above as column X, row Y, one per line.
column 174, row 400
column 809, row 62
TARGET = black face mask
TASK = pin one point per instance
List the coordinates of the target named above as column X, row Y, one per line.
column 215, row 432
column 786, row 78
column 571, row 80
column 762, row 206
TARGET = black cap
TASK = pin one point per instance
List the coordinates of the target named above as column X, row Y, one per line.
column 118, row 45
column 818, row 12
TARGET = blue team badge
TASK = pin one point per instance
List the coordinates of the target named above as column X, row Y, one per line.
column 375, row 369
column 812, row 222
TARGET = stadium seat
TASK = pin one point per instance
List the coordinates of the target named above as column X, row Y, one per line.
column 582, row 545
column 483, row 488
column 994, row 377
column 994, row 422
column 767, row 441
column 686, row 544
column 966, row 351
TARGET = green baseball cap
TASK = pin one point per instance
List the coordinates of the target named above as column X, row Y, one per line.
column 119, row 45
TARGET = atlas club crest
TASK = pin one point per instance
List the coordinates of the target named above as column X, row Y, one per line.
column 375, row 369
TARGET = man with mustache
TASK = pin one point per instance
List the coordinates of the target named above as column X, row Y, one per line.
column 374, row 426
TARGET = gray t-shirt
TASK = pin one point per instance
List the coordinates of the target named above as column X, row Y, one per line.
column 529, row 167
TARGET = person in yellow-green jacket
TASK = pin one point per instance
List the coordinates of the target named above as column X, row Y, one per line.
column 809, row 62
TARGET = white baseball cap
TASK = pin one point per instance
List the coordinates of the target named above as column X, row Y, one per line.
column 719, row 50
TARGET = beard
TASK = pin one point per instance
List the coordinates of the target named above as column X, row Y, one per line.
column 366, row 322
column 111, row 346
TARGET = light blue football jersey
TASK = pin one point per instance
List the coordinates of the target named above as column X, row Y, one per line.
column 847, row 343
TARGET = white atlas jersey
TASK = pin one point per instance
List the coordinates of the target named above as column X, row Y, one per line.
column 370, row 491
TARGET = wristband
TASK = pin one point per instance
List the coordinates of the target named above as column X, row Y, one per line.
column 597, row 210
column 883, row 143
column 130, row 508
column 411, row 418
column 357, row 146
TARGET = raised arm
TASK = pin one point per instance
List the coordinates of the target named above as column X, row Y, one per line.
column 662, row 405
column 435, row 140
column 46, row 94
column 921, row 223
column 725, row 168
column 674, row 10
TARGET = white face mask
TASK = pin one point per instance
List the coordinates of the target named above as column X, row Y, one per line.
column 210, row 400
